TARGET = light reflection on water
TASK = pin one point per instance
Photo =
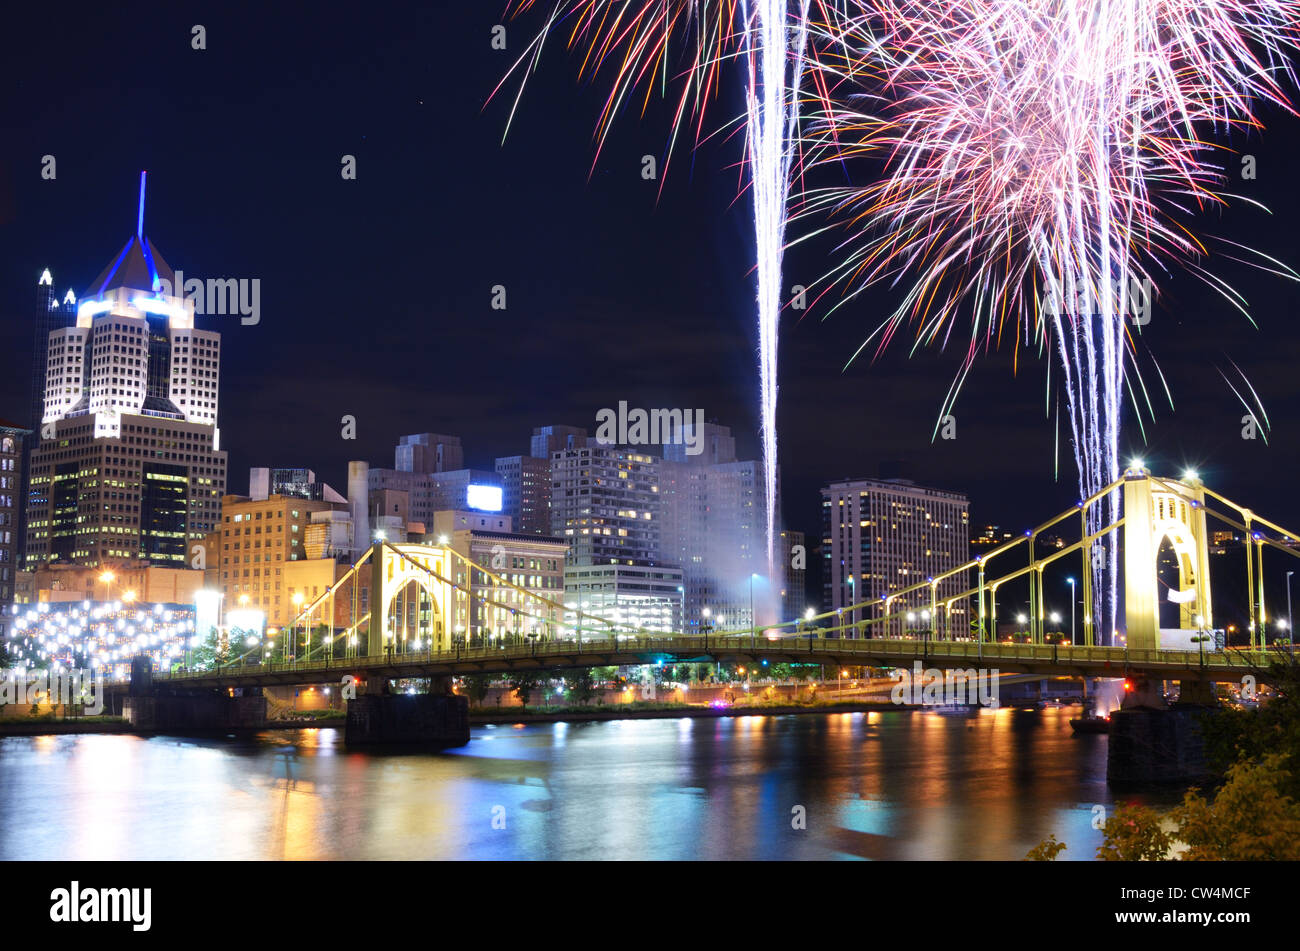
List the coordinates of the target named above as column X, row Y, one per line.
column 890, row 785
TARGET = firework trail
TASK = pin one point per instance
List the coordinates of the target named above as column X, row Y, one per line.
column 1038, row 155
column 632, row 42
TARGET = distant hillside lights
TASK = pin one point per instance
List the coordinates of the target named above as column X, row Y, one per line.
column 639, row 427
column 218, row 296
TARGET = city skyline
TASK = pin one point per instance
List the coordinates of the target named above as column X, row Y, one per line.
column 666, row 312
column 648, row 430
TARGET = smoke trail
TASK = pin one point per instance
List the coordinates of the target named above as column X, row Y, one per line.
column 772, row 39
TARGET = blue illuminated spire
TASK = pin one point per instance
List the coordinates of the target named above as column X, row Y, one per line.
column 138, row 265
column 139, row 222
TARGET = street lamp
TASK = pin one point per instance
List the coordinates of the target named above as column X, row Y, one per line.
column 1070, row 582
column 1289, row 628
column 107, row 577
column 1201, row 637
column 297, row 599
column 1021, row 619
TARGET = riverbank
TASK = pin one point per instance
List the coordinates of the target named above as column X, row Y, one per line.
column 42, row 727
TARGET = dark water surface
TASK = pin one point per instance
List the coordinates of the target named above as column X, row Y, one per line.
column 890, row 785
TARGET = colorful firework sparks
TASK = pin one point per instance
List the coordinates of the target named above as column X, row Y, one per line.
column 634, row 40
column 1039, row 158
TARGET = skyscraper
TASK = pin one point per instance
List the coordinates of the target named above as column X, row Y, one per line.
column 714, row 528
column 605, row 503
column 50, row 314
column 526, row 483
column 882, row 535
column 129, row 464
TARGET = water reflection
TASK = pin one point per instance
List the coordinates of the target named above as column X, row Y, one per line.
column 889, row 785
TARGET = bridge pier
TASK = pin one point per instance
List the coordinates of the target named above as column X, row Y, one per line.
column 435, row 720
column 1153, row 743
column 157, row 709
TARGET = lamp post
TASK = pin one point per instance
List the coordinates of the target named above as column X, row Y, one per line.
column 1055, row 618
column 297, row 599
column 1201, row 637
column 1289, row 628
column 1070, row 581
column 107, row 577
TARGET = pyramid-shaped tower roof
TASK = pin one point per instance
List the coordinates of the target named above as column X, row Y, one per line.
column 139, row 265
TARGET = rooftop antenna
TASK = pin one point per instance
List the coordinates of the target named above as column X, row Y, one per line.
column 139, row 223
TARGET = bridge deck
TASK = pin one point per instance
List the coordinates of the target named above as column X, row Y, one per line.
column 1045, row 659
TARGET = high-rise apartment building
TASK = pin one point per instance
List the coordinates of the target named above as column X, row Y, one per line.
column 882, row 535
column 526, row 485
column 605, row 503
column 129, row 464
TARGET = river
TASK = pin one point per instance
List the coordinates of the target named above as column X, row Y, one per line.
column 888, row 785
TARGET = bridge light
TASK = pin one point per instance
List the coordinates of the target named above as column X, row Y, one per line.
column 1190, row 475
column 1128, row 686
column 1136, row 465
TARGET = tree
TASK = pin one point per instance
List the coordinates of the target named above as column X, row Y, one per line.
column 1234, row 735
column 1134, row 834
column 477, row 686
column 580, row 684
column 1046, row 851
column 524, row 683
column 1250, row 817
column 217, row 649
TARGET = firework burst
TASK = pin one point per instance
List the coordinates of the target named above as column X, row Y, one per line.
column 631, row 42
column 1039, row 159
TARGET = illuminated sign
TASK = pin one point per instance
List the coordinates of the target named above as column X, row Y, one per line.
column 484, row 498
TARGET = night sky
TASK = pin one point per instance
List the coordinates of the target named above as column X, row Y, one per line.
column 376, row 292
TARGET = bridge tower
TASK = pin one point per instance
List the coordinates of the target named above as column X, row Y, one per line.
column 393, row 569
column 1155, row 510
